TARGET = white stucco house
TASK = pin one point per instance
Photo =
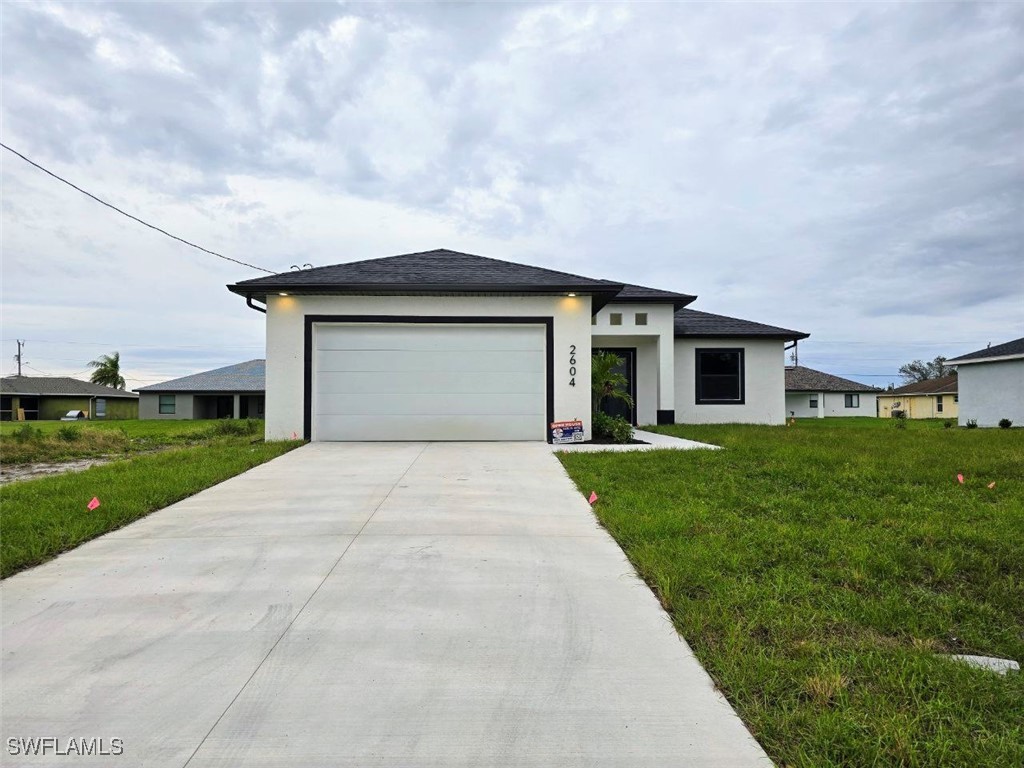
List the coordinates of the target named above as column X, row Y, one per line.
column 442, row 345
column 815, row 394
column 992, row 384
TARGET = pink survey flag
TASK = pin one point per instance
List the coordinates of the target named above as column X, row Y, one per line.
column 294, row 436
column 960, row 479
column 593, row 497
column 93, row 504
column 992, row 484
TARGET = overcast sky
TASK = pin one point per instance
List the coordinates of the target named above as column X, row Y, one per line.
column 852, row 171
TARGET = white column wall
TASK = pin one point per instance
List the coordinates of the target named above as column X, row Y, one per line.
column 990, row 392
column 764, row 384
column 286, row 339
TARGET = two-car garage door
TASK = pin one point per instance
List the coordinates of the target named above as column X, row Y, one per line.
column 397, row 381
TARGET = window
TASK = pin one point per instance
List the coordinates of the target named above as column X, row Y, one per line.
column 101, row 408
column 615, row 318
column 719, row 376
column 938, row 403
column 166, row 404
column 593, row 319
column 852, row 401
column 813, row 401
column 641, row 318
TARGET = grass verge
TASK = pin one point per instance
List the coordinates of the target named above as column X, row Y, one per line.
column 817, row 572
column 41, row 518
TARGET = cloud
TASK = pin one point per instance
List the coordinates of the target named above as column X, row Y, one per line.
column 839, row 169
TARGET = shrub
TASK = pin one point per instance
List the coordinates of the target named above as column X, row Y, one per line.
column 69, row 434
column 614, row 428
column 947, row 424
column 972, row 423
column 237, row 427
column 1005, row 423
column 26, row 433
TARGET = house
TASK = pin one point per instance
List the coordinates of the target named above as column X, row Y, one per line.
column 811, row 393
column 992, row 384
column 48, row 398
column 929, row 399
column 442, row 345
column 232, row 392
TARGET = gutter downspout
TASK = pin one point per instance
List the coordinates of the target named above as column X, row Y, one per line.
column 250, row 305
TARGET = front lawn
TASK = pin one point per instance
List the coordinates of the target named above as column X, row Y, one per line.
column 818, row 570
column 41, row 518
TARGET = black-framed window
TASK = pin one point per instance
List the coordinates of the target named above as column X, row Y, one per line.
column 852, row 401
column 166, row 404
column 720, row 376
column 812, row 401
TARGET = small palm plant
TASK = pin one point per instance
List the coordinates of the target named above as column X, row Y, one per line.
column 606, row 381
column 108, row 371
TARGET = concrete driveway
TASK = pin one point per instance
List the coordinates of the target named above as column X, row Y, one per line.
column 440, row 604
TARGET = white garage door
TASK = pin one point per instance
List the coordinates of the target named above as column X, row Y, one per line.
column 429, row 382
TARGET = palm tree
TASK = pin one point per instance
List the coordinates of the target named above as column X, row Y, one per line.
column 108, row 371
column 606, row 381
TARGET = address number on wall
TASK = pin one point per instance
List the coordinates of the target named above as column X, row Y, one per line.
column 572, row 365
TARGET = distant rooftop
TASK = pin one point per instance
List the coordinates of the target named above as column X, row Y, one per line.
column 691, row 322
column 1013, row 348
column 947, row 385
column 801, row 379
column 249, row 376
column 57, row 385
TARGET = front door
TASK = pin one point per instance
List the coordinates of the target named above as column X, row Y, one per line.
column 627, row 367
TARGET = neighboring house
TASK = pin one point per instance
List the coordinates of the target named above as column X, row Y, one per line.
column 233, row 392
column 47, row 398
column 992, row 384
column 449, row 346
column 811, row 393
column 930, row 399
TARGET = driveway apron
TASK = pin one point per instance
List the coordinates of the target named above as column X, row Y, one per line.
column 392, row 604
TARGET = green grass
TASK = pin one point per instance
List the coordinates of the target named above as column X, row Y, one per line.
column 817, row 571
column 41, row 518
column 54, row 441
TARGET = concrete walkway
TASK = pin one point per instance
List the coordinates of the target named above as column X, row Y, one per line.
column 652, row 441
column 362, row 604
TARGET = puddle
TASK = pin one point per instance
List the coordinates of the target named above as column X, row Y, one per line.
column 10, row 473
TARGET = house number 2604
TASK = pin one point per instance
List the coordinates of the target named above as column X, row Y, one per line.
column 572, row 365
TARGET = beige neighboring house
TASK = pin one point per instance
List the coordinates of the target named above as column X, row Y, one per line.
column 931, row 399
column 992, row 384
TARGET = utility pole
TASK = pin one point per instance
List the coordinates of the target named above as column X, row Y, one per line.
column 21, row 343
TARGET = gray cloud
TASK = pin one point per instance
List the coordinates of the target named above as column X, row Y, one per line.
column 831, row 168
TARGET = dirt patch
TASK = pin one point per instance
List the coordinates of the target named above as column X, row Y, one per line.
column 10, row 473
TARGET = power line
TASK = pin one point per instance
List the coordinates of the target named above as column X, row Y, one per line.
column 142, row 346
column 134, row 218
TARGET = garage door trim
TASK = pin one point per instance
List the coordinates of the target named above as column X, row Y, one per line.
column 311, row 320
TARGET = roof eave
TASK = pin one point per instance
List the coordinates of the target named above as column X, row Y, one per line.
column 788, row 336
column 994, row 359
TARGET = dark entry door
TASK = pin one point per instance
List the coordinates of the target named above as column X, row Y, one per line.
column 225, row 406
column 627, row 367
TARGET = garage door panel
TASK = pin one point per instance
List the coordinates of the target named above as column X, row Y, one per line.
column 415, row 361
column 370, row 428
column 458, row 338
column 431, row 404
column 456, row 382
column 429, row 382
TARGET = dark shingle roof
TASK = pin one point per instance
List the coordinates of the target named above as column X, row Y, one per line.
column 642, row 294
column 428, row 271
column 249, row 376
column 1010, row 348
column 57, row 385
column 690, row 322
column 801, row 379
column 944, row 386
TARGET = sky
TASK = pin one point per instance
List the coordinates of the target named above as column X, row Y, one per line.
column 852, row 171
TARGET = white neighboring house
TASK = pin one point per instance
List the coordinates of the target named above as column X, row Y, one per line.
column 442, row 345
column 815, row 394
column 992, row 384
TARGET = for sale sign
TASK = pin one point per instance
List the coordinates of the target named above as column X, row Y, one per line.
column 567, row 432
